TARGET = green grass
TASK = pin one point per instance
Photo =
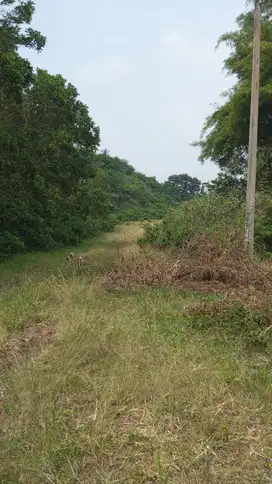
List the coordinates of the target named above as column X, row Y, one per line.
column 41, row 264
column 129, row 388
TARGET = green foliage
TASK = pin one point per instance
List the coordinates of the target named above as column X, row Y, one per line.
column 232, row 317
column 48, row 141
column 55, row 188
column 263, row 224
column 47, row 165
column 136, row 196
column 224, row 184
column 10, row 244
column 182, row 187
column 213, row 215
column 224, row 137
column 207, row 214
column 14, row 31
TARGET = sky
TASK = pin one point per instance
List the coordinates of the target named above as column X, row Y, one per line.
column 147, row 69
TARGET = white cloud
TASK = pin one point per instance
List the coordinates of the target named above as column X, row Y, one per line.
column 183, row 47
column 105, row 70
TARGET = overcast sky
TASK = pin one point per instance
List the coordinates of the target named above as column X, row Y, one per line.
column 147, row 69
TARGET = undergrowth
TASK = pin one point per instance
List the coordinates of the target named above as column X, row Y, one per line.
column 153, row 379
column 213, row 216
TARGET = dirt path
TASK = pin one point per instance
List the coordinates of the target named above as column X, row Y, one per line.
column 123, row 388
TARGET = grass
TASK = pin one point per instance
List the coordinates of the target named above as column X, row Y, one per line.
column 122, row 387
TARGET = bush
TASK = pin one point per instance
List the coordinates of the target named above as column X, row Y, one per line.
column 136, row 214
column 263, row 226
column 10, row 244
column 207, row 214
column 211, row 215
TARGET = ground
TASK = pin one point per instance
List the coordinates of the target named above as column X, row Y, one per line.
column 102, row 386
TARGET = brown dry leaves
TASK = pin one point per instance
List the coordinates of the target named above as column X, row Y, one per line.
column 204, row 265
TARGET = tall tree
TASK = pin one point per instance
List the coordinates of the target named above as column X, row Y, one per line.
column 224, row 137
column 47, row 141
column 15, row 18
column 55, row 188
column 182, row 187
column 16, row 74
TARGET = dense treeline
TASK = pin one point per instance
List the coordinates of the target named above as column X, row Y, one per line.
column 55, row 186
column 136, row 196
column 47, row 143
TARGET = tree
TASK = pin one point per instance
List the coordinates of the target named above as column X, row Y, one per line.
column 46, row 177
column 48, row 141
column 55, row 187
column 224, row 184
column 14, row 30
column 266, row 6
column 134, row 195
column 224, row 138
column 16, row 74
column 182, row 187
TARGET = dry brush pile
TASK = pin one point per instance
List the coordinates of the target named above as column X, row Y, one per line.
column 205, row 260
column 205, row 264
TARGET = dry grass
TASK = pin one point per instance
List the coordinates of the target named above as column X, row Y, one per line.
column 204, row 264
column 126, row 390
column 128, row 233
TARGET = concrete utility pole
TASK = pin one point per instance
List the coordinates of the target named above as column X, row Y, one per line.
column 253, row 132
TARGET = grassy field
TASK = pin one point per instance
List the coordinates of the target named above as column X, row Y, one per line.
column 112, row 387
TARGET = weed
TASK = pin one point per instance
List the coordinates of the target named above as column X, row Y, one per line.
column 146, row 386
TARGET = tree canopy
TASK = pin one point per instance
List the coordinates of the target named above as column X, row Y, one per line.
column 47, row 142
column 224, row 138
column 136, row 196
column 55, row 186
column 182, row 187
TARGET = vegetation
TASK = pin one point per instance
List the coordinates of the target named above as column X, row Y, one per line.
column 224, row 138
column 101, row 386
column 47, row 140
column 215, row 216
column 210, row 214
column 56, row 189
column 138, row 197
column 129, row 362
column 134, row 196
column 225, row 134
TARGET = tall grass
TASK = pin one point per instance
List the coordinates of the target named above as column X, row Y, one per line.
column 212, row 215
column 129, row 387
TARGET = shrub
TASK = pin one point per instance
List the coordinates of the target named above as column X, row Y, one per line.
column 263, row 226
column 208, row 214
column 211, row 215
column 10, row 244
column 134, row 214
